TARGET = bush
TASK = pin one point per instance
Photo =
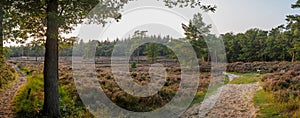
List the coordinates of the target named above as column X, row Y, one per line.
column 284, row 89
column 133, row 64
column 265, row 67
column 7, row 75
column 31, row 105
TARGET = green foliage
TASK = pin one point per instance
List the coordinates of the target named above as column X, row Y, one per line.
column 199, row 97
column 226, row 79
column 85, row 49
column 266, row 104
column 152, row 51
column 279, row 44
column 133, row 64
column 89, row 50
column 8, row 74
column 280, row 94
column 258, row 45
column 195, row 32
column 243, row 80
column 30, row 105
column 8, row 22
column 191, row 3
column 270, row 107
column 246, row 78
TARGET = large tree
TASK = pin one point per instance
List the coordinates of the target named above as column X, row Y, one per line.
column 293, row 28
column 1, row 29
column 195, row 32
column 46, row 20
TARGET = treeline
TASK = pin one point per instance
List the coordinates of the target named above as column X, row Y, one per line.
column 197, row 33
column 103, row 48
column 279, row 44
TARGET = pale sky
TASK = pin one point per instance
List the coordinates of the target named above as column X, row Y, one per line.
column 231, row 16
column 240, row 15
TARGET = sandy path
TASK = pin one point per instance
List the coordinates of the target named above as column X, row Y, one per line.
column 7, row 95
column 234, row 101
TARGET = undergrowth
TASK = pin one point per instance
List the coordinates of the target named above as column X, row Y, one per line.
column 30, row 104
column 246, row 78
column 7, row 76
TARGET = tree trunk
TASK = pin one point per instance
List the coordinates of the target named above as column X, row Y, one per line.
column 36, row 57
column 51, row 98
column 293, row 57
column 138, row 55
column 1, row 31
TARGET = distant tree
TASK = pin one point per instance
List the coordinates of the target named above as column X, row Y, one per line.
column 293, row 28
column 36, row 48
column 276, row 48
column 195, row 31
column 232, row 46
column 252, row 45
column 137, row 37
column 152, row 51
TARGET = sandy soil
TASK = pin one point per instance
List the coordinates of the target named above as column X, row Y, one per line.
column 234, row 101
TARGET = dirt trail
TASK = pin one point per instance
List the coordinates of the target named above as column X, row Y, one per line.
column 7, row 95
column 234, row 101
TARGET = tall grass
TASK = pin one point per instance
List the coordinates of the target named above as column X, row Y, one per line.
column 29, row 100
column 7, row 76
column 270, row 107
column 31, row 104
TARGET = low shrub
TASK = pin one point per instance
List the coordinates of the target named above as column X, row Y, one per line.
column 284, row 89
column 30, row 105
column 263, row 67
column 8, row 74
column 29, row 100
column 133, row 64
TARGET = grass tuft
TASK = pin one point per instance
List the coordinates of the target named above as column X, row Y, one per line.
column 246, row 78
column 270, row 108
column 29, row 104
column 199, row 97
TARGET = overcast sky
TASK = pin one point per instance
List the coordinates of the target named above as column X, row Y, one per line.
column 240, row 15
column 231, row 16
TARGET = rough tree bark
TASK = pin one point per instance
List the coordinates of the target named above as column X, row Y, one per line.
column 51, row 98
column 293, row 57
column 1, row 30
